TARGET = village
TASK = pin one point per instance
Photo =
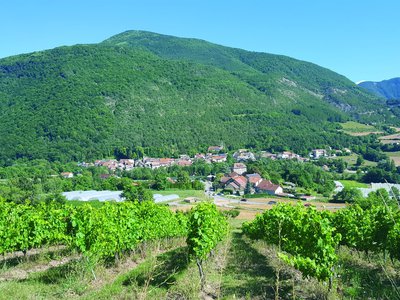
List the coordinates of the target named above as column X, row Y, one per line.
column 236, row 182
column 215, row 154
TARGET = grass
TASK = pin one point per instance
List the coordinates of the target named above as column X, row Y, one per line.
column 369, row 163
column 183, row 193
column 351, row 160
column 34, row 258
column 353, row 184
column 151, row 279
column 355, row 127
column 53, row 283
column 247, row 275
column 75, row 279
column 362, row 277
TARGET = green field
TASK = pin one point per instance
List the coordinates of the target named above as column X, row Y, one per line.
column 349, row 159
column 352, row 159
column 354, row 127
column 369, row 163
column 353, row 184
column 183, row 193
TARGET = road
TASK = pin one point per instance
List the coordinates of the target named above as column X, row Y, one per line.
column 220, row 200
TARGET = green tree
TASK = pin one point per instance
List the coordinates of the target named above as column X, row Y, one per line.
column 360, row 160
column 378, row 198
column 197, row 185
column 247, row 189
column 160, row 182
column 137, row 193
column 217, row 180
column 56, row 197
column 183, row 180
column 349, row 195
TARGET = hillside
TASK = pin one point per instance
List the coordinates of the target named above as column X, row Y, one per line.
column 285, row 79
column 388, row 89
column 169, row 95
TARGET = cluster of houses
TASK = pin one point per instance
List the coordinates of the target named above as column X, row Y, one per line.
column 239, row 182
column 283, row 155
column 155, row 163
column 214, row 154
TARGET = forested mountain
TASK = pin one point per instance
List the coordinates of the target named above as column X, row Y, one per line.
column 388, row 89
column 170, row 95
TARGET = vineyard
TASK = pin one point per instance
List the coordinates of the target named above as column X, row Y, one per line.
column 142, row 250
column 309, row 240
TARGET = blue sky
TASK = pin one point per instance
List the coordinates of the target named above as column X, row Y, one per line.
column 359, row 39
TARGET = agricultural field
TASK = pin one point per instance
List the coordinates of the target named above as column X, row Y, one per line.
column 395, row 156
column 391, row 138
column 358, row 129
column 351, row 160
column 240, row 267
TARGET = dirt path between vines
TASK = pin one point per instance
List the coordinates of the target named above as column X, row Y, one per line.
column 22, row 271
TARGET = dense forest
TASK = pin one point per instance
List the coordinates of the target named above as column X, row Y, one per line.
column 168, row 96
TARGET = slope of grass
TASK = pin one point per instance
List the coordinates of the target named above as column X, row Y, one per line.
column 353, row 184
column 355, row 127
column 351, row 126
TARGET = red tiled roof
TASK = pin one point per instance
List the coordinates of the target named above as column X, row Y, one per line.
column 184, row 163
column 267, row 185
column 214, row 148
column 241, row 180
column 166, row 160
column 225, row 179
column 254, row 178
column 234, row 185
column 233, row 174
column 239, row 165
column 254, row 175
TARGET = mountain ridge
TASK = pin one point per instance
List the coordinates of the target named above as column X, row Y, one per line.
column 87, row 101
column 388, row 89
column 198, row 51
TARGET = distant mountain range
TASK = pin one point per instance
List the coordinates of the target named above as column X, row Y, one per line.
column 166, row 95
column 388, row 89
